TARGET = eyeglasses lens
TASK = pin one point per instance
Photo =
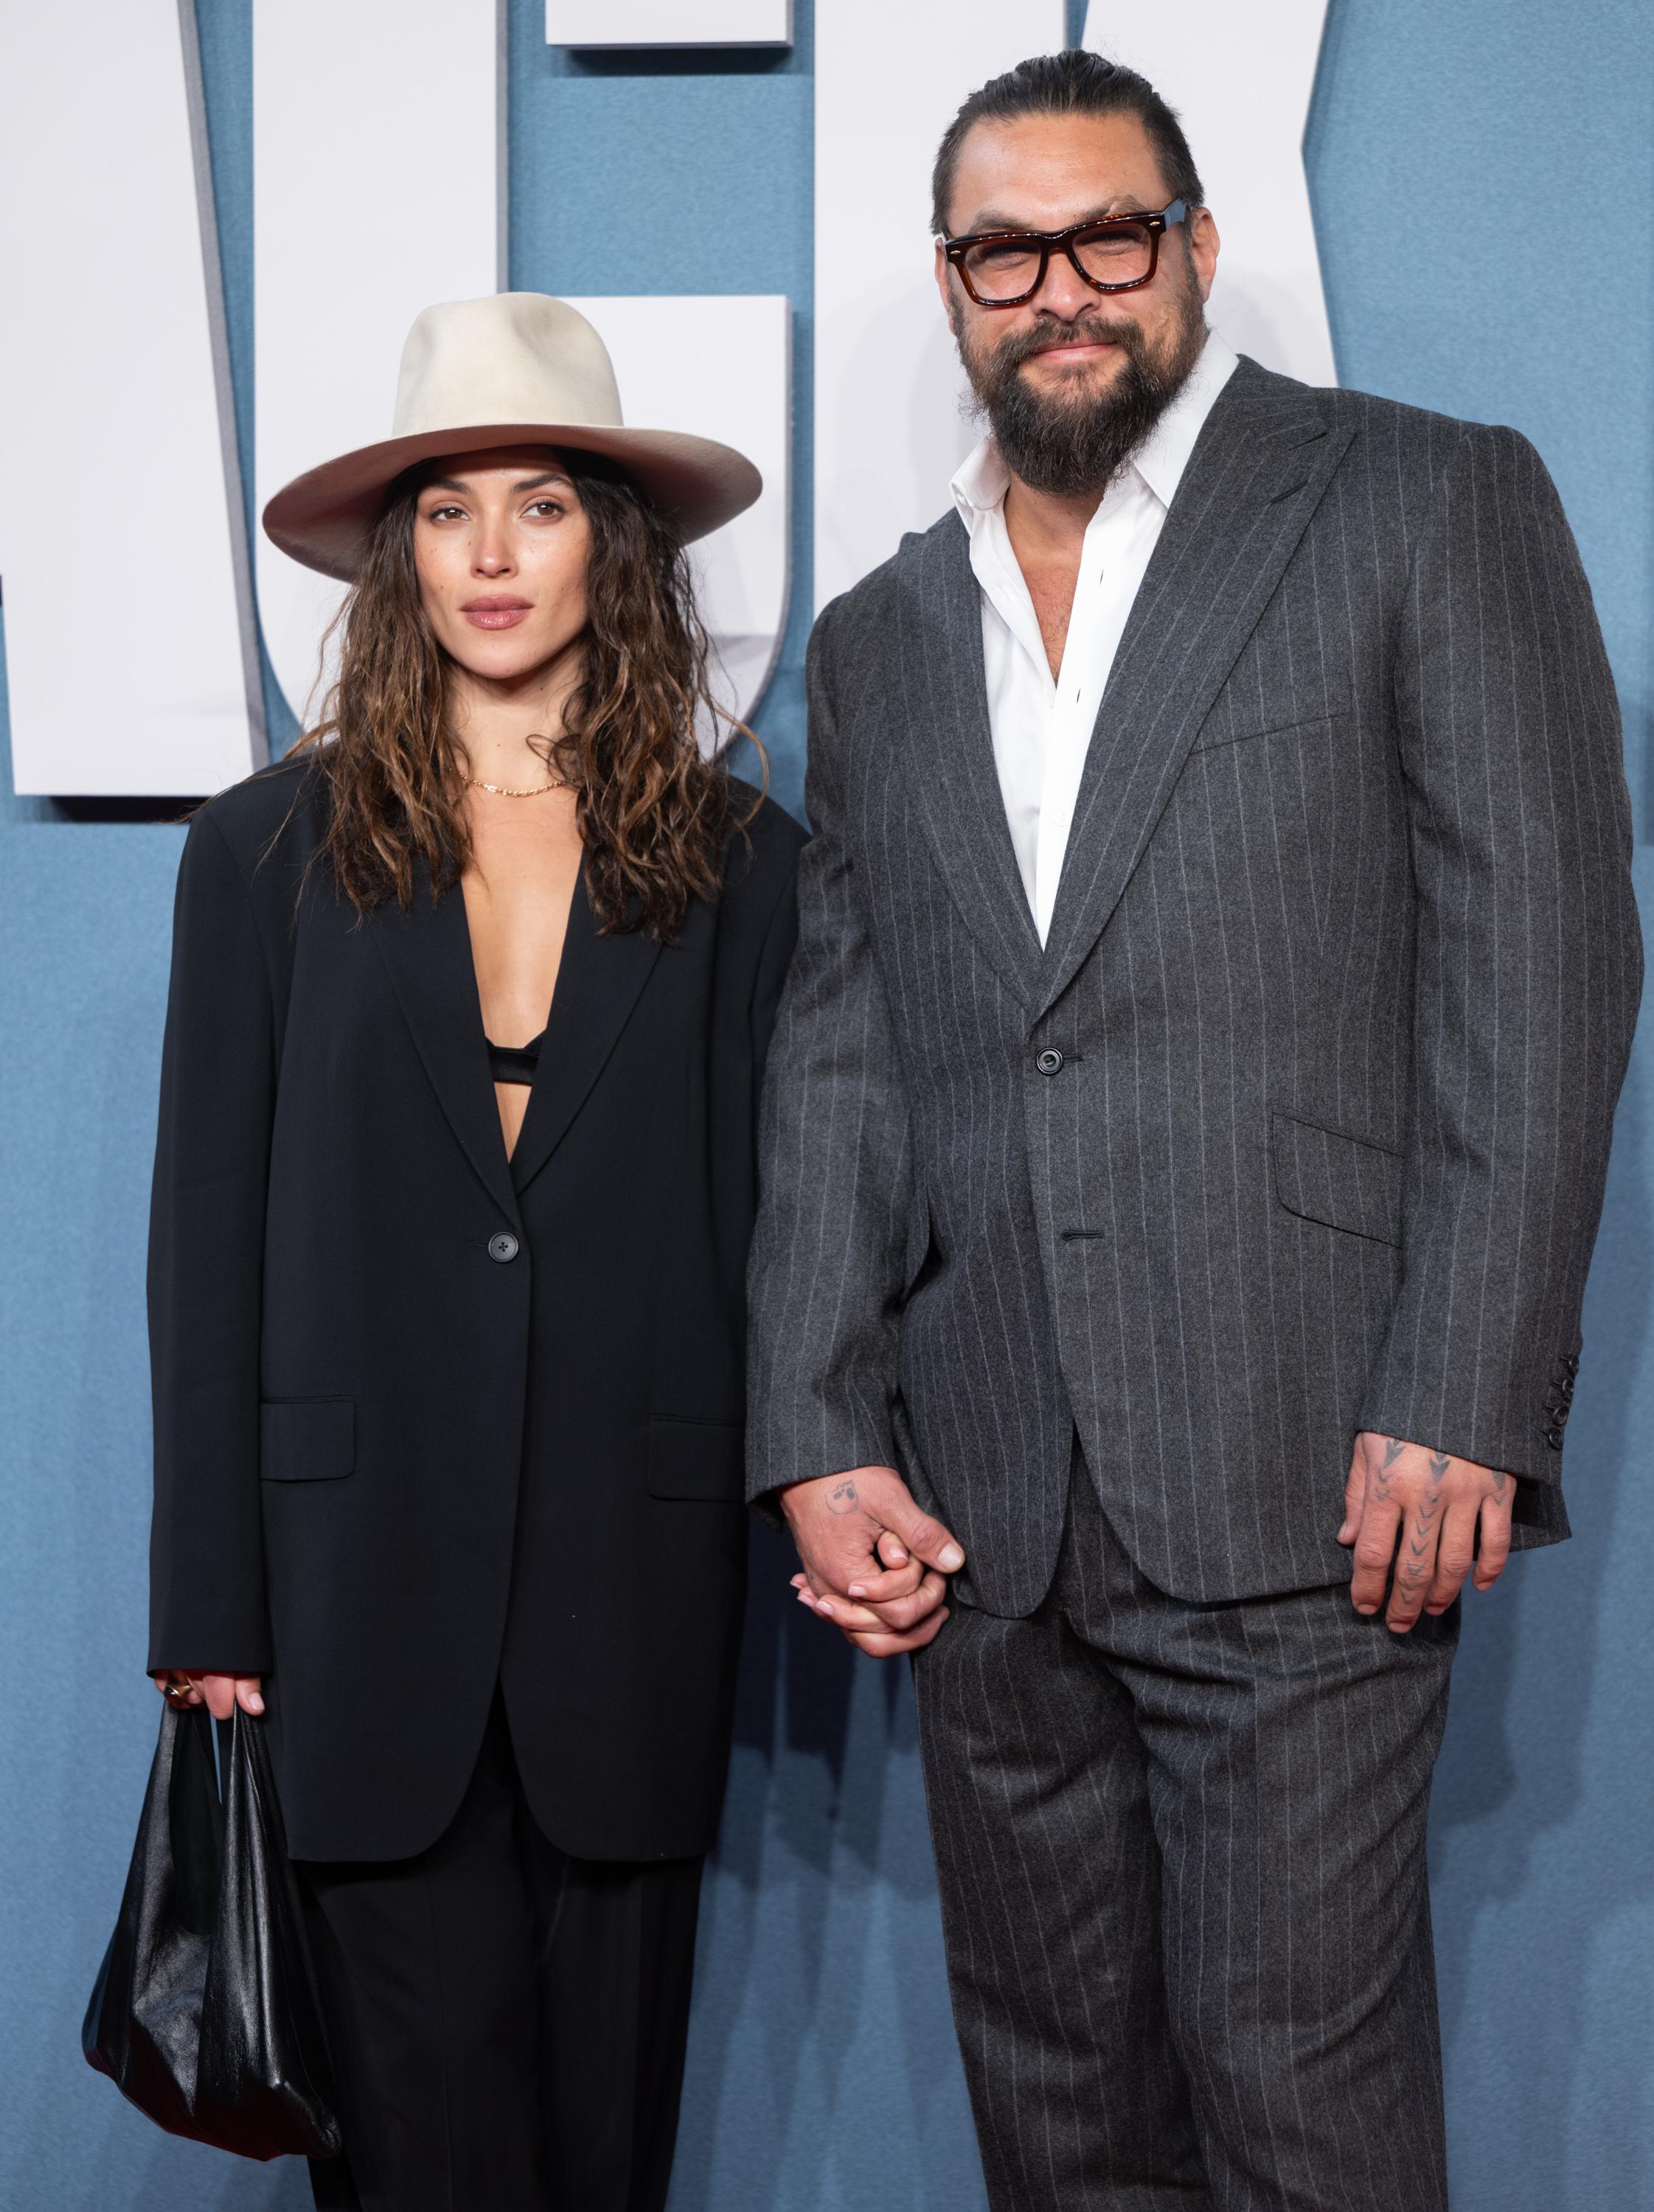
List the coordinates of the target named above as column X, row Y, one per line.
column 1007, row 268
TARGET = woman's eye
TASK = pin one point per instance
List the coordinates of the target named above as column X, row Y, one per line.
column 441, row 513
column 546, row 506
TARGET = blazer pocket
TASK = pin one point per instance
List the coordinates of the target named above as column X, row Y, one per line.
column 306, row 1439
column 1341, row 1182
column 698, row 1459
column 1286, row 722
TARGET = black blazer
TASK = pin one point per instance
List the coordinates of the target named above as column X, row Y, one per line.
column 427, row 1419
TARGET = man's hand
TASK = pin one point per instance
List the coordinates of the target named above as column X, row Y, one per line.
column 220, row 1693
column 1433, row 1504
column 873, row 1563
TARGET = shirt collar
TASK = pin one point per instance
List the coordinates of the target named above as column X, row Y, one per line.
column 980, row 483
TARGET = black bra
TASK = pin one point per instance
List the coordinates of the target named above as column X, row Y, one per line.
column 515, row 1063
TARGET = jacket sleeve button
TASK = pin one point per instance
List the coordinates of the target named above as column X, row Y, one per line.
column 503, row 1246
column 1050, row 1060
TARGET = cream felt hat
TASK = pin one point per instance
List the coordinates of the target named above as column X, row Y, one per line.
column 518, row 368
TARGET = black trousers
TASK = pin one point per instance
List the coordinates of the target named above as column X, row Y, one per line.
column 508, row 2023
column 1182, row 1857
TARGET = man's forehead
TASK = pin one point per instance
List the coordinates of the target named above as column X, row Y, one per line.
column 1033, row 167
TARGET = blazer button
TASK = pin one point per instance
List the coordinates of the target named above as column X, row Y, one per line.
column 1049, row 1061
column 1554, row 1436
column 502, row 1247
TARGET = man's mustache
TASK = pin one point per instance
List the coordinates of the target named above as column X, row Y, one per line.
column 1052, row 334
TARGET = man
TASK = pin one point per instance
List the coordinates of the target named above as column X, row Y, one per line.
column 1194, row 1089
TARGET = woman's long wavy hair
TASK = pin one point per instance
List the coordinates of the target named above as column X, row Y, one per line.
column 653, row 813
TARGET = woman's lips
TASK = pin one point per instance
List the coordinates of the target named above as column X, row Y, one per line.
column 495, row 614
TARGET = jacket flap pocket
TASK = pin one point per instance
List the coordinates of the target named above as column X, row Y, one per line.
column 306, row 1439
column 1344, row 1182
column 1295, row 715
column 698, row 1459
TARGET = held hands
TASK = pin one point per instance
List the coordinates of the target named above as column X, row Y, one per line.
column 1432, row 1504
column 220, row 1693
column 874, row 1564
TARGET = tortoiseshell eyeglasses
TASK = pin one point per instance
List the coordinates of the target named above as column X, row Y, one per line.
column 1003, row 268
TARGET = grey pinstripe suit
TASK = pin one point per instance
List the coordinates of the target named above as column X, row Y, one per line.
column 1343, row 974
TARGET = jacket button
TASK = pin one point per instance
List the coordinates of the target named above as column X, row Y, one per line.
column 1554, row 1436
column 1050, row 1060
column 502, row 1247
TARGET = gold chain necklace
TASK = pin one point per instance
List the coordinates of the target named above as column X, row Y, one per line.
column 504, row 791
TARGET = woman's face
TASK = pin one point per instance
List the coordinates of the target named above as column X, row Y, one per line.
column 502, row 544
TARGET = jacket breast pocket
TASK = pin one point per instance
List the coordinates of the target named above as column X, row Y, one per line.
column 1341, row 1182
column 1230, row 724
column 705, row 1460
column 306, row 1439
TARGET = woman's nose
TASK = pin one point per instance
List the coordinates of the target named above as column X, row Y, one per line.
column 492, row 557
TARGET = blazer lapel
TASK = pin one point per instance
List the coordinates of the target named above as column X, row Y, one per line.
column 428, row 951
column 1265, row 458
column 948, row 752
column 598, row 983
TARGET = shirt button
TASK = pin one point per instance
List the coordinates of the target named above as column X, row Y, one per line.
column 503, row 1246
column 1049, row 1061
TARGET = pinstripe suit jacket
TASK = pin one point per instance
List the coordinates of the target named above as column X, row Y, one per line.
column 1342, row 973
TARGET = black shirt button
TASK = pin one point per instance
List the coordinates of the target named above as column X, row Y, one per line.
column 503, row 1246
column 1049, row 1061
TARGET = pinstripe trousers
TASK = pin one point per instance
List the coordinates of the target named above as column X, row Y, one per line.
column 1181, row 1850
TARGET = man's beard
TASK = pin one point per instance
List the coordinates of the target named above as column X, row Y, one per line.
column 1071, row 445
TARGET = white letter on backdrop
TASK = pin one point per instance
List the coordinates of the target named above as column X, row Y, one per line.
column 721, row 368
column 1240, row 79
column 378, row 139
column 375, row 127
column 669, row 22
column 890, row 76
column 136, row 674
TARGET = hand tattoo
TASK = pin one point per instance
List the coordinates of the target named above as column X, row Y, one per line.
column 1392, row 1449
column 842, row 1498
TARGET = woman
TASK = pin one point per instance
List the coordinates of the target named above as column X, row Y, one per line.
column 470, row 1001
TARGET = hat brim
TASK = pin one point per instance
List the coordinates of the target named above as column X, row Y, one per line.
column 325, row 516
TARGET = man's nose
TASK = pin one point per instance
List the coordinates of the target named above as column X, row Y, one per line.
column 1065, row 291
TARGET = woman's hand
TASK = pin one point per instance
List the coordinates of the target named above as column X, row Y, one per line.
column 220, row 1693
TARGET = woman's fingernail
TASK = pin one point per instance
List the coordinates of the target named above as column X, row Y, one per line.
column 950, row 1558
column 255, row 1703
column 822, row 1606
column 858, row 1589
column 898, row 1558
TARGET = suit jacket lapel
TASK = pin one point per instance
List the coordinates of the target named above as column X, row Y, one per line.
column 948, row 752
column 598, row 984
column 1265, row 458
column 428, row 951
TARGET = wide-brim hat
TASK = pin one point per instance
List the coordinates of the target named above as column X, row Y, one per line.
column 518, row 368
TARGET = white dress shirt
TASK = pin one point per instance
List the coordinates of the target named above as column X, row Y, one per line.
column 1042, row 729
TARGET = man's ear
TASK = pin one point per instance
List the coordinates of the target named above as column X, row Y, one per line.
column 942, row 283
column 1204, row 245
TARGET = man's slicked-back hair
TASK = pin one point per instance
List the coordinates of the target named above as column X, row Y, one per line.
column 1070, row 83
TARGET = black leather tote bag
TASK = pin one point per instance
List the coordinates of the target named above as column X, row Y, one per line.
column 205, row 2013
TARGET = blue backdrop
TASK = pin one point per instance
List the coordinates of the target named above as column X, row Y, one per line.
column 1483, row 178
